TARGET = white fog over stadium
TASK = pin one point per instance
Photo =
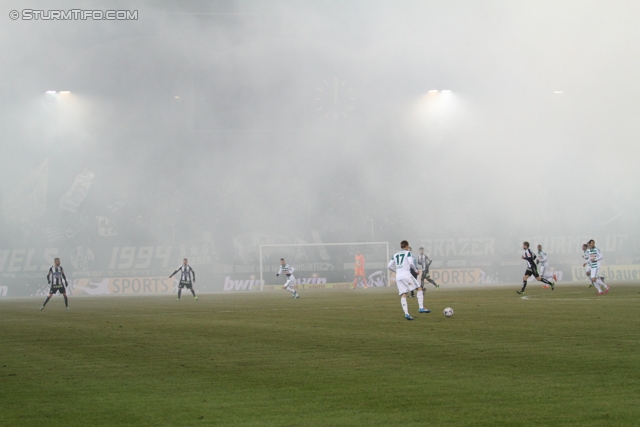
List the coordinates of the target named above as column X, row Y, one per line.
column 204, row 129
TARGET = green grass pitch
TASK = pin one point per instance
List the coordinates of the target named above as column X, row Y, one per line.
column 331, row 358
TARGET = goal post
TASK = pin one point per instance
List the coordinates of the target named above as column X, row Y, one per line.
column 329, row 259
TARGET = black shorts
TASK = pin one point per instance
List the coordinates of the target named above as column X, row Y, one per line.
column 185, row 284
column 532, row 271
column 57, row 288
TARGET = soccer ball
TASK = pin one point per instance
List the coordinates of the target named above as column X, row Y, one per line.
column 448, row 312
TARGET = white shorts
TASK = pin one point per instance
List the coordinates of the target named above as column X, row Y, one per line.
column 415, row 281
column 595, row 273
column 406, row 285
column 541, row 269
column 290, row 281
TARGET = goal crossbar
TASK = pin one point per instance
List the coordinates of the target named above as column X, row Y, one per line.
column 289, row 245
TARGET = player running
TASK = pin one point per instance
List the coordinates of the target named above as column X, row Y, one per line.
column 288, row 270
column 185, row 278
column 415, row 272
column 586, row 265
column 58, row 282
column 543, row 265
column 403, row 265
column 424, row 262
column 359, row 271
column 595, row 256
column 532, row 269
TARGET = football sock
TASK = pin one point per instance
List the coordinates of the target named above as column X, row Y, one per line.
column 597, row 285
column 290, row 289
column 545, row 281
column 432, row 282
column 193, row 292
column 601, row 283
column 421, row 299
column 46, row 301
column 524, row 285
column 179, row 293
column 403, row 302
column 66, row 301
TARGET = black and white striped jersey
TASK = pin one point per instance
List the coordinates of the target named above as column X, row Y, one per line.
column 56, row 275
column 424, row 261
column 530, row 258
column 185, row 273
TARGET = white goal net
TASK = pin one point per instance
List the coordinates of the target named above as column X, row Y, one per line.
column 326, row 264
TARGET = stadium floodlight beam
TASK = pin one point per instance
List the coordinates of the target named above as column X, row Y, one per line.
column 558, row 92
column 176, row 97
column 51, row 92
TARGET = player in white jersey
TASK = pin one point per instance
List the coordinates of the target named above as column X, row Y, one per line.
column 414, row 274
column 58, row 282
column 586, row 265
column 543, row 265
column 288, row 270
column 185, row 278
column 595, row 256
column 404, row 266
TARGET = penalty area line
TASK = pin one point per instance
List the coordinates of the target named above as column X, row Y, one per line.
column 190, row 313
column 306, row 308
column 537, row 298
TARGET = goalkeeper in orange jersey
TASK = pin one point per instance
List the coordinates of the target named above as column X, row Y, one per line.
column 359, row 271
